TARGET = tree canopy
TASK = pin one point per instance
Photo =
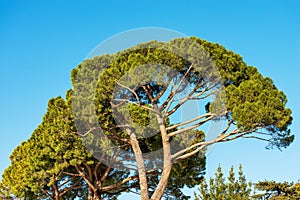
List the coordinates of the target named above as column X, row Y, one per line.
column 118, row 130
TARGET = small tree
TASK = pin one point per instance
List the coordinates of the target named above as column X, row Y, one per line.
column 220, row 189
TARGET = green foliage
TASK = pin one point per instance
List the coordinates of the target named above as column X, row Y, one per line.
column 277, row 191
column 219, row 189
column 36, row 164
column 254, row 102
column 5, row 193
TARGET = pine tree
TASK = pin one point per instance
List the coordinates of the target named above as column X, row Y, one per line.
column 249, row 104
column 220, row 189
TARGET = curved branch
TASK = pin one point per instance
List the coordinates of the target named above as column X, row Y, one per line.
column 164, row 89
column 86, row 133
column 132, row 91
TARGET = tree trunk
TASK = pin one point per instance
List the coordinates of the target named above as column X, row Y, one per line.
column 56, row 192
column 93, row 195
column 141, row 166
column 159, row 191
column 96, row 196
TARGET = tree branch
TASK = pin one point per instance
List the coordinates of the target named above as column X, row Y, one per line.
column 188, row 97
column 65, row 190
column 189, row 121
column 97, row 167
column 71, row 174
column 191, row 127
column 142, row 106
column 201, row 145
column 132, row 91
column 259, row 138
column 172, row 94
column 148, row 93
column 86, row 133
column 164, row 89
column 87, row 180
column 113, row 159
column 119, row 184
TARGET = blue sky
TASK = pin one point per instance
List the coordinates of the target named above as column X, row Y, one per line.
column 41, row 41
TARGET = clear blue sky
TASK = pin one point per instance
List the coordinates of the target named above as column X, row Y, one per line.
column 41, row 41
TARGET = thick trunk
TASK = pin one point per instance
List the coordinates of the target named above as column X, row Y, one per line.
column 159, row 191
column 141, row 167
